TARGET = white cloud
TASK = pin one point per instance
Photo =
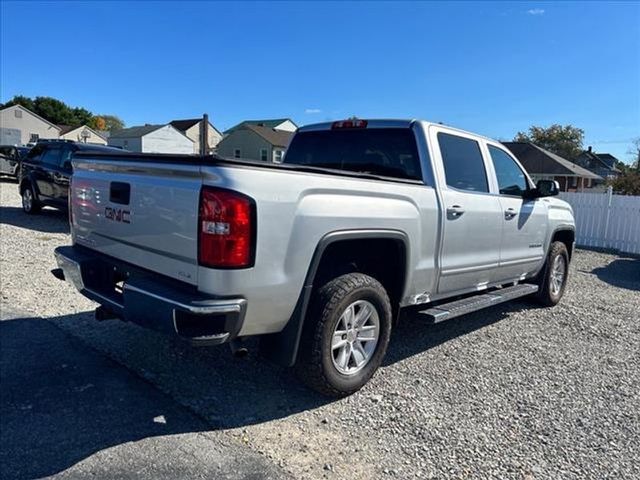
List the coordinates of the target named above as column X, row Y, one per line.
column 536, row 11
column 311, row 111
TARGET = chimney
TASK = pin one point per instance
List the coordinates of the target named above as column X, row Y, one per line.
column 589, row 148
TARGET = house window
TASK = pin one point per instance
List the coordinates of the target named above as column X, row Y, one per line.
column 263, row 154
column 237, row 153
column 277, row 156
column 125, row 143
column 574, row 182
column 33, row 137
column 18, row 113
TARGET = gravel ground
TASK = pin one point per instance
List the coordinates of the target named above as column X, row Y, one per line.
column 515, row 391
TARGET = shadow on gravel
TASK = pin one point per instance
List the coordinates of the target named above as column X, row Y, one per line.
column 60, row 402
column 413, row 335
column 49, row 220
column 623, row 273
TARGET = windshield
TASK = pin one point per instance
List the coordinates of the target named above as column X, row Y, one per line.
column 389, row 152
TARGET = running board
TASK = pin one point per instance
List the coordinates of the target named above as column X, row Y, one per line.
column 455, row 309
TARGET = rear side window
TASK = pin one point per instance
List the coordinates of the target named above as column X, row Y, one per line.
column 51, row 157
column 388, row 152
column 463, row 164
column 511, row 179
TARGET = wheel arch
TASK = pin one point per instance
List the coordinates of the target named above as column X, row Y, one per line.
column 566, row 235
column 282, row 347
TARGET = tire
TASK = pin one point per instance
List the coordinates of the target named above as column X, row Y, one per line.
column 30, row 203
column 551, row 285
column 363, row 343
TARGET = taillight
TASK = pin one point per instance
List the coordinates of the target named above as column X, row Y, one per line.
column 227, row 229
column 352, row 123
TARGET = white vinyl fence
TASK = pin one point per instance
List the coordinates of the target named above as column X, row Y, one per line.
column 606, row 220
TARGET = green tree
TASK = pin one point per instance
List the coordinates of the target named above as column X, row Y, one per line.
column 628, row 183
column 55, row 111
column 565, row 141
column 19, row 100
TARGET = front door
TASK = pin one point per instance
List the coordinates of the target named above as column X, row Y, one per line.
column 470, row 251
column 524, row 224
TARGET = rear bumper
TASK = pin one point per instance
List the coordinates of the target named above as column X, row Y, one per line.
column 149, row 299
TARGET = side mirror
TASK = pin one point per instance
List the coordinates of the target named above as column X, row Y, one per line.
column 547, row 188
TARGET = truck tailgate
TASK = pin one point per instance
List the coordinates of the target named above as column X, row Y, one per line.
column 139, row 212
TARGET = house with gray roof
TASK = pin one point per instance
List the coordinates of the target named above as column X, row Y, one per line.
column 279, row 124
column 542, row 164
column 255, row 142
column 602, row 164
column 152, row 139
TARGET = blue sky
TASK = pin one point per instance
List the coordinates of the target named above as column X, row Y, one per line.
column 493, row 68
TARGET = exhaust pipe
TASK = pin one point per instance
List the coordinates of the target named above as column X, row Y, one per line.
column 238, row 349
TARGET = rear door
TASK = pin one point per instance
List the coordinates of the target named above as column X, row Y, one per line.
column 44, row 171
column 524, row 224
column 472, row 223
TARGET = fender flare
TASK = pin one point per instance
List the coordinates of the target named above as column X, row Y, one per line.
column 282, row 347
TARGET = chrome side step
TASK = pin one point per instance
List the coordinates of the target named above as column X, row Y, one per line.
column 457, row 308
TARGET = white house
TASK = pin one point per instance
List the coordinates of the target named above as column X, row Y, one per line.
column 21, row 126
column 152, row 139
column 191, row 128
column 82, row 134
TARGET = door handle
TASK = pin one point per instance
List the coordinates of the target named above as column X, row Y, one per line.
column 455, row 211
column 509, row 213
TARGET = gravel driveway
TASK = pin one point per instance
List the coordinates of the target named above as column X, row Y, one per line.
column 515, row 391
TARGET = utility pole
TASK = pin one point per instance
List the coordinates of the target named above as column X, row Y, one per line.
column 204, row 135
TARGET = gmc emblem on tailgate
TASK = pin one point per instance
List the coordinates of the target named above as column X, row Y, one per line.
column 117, row 215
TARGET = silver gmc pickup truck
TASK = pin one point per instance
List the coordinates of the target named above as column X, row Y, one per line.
column 319, row 255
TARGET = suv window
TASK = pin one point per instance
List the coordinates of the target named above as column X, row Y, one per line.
column 51, row 156
column 511, row 179
column 389, row 152
column 463, row 164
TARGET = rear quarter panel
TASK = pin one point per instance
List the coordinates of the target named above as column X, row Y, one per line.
column 295, row 211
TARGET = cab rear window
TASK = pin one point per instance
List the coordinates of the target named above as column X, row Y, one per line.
column 388, row 152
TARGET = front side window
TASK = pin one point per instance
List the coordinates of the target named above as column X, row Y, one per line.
column 263, row 154
column 463, row 164
column 236, row 153
column 511, row 178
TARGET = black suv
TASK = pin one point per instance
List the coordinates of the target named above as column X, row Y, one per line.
column 45, row 173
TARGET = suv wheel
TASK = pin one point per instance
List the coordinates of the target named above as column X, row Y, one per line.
column 553, row 278
column 346, row 335
column 30, row 203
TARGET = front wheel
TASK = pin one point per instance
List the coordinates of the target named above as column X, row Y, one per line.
column 552, row 280
column 30, row 202
column 346, row 335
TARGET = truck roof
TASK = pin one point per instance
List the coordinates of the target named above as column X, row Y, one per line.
column 386, row 123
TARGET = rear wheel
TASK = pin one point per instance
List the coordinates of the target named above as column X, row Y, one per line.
column 30, row 203
column 552, row 280
column 346, row 335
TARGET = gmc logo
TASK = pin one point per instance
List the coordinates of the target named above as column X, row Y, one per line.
column 117, row 215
